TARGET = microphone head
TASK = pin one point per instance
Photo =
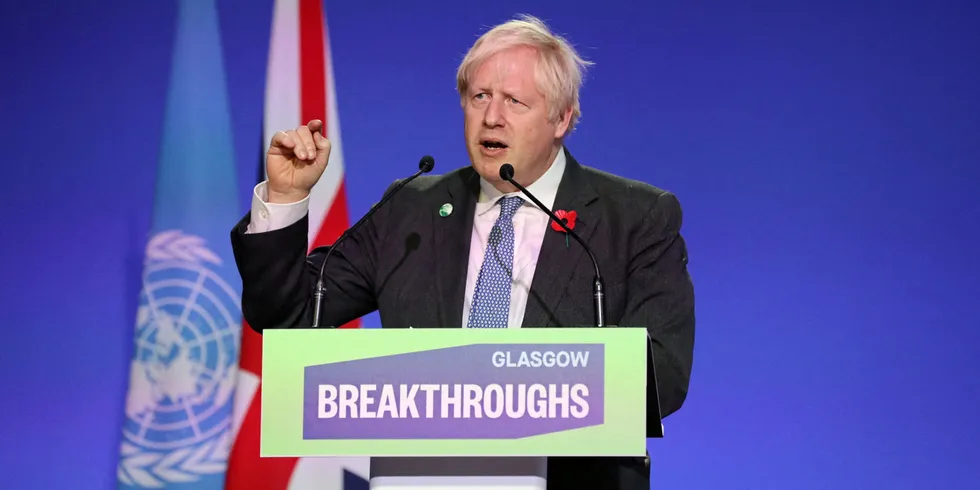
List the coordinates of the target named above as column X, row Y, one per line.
column 427, row 164
column 507, row 171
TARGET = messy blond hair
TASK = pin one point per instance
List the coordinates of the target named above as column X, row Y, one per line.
column 559, row 70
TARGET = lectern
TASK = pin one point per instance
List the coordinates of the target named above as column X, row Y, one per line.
column 457, row 408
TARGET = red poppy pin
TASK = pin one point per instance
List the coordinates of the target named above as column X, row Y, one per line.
column 567, row 217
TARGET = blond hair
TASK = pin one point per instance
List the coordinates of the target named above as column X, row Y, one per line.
column 559, row 70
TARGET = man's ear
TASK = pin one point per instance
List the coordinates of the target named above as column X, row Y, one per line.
column 564, row 119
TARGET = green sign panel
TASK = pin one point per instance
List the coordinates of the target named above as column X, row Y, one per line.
column 454, row 392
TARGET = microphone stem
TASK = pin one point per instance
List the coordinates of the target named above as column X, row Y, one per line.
column 317, row 303
column 599, row 295
column 598, row 292
column 320, row 289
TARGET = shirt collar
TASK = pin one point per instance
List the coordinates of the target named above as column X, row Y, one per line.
column 545, row 188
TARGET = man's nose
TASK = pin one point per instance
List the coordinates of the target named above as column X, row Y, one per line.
column 493, row 116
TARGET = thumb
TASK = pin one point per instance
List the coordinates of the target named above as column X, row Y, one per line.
column 321, row 142
column 315, row 125
column 322, row 149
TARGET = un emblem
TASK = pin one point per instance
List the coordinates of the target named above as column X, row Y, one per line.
column 183, row 371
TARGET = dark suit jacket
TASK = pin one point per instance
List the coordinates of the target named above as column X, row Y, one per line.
column 410, row 264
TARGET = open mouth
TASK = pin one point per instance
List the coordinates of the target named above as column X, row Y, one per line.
column 492, row 144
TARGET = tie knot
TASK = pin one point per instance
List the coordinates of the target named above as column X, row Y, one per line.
column 509, row 205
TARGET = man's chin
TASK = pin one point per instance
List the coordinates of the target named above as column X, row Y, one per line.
column 488, row 168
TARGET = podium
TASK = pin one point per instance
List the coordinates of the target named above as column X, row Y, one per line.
column 457, row 408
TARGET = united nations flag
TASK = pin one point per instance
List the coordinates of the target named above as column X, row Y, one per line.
column 177, row 429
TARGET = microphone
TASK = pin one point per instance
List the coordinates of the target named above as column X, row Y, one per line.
column 426, row 164
column 598, row 288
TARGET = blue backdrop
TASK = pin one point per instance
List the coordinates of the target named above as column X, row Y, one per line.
column 826, row 155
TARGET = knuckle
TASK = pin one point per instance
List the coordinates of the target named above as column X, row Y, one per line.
column 280, row 137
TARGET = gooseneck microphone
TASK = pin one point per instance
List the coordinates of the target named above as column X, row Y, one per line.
column 598, row 289
column 425, row 166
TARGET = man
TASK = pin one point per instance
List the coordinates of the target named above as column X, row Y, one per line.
column 519, row 87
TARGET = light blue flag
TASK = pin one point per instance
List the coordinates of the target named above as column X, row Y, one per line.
column 177, row 429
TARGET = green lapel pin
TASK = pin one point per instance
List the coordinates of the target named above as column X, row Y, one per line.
column 446, row 210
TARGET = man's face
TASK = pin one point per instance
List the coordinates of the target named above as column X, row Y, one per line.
column 506, row 119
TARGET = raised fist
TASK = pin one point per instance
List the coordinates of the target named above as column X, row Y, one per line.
column 295, row 161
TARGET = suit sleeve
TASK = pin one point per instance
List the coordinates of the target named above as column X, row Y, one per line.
column 278, row 276
column 662, row 299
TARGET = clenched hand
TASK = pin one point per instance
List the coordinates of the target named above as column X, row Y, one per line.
column 295, row 161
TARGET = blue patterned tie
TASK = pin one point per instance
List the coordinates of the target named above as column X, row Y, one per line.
column 491, row 297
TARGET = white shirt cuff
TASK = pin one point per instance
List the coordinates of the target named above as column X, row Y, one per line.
column 273, row 216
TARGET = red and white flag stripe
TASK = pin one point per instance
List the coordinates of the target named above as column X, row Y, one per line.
column 299, row 87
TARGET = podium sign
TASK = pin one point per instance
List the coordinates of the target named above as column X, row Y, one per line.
column 454, row 392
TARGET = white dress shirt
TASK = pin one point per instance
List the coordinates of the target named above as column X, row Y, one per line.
column 530, row 226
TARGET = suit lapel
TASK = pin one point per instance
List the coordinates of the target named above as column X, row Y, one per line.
column 451, row 244
column 556, row 262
